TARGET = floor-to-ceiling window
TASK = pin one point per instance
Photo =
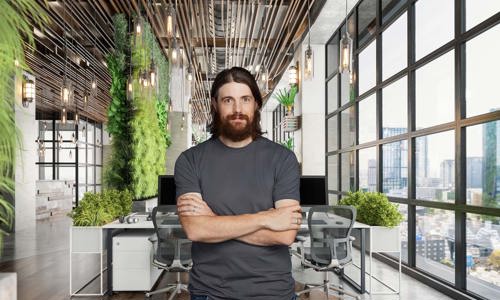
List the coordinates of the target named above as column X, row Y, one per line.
column 72, row 153
column 419, row 120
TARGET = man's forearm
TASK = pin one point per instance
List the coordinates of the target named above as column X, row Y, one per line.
column 266, row 237
column 216, row 229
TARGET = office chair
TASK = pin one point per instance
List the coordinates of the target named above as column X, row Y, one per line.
column 173, row 249
column 329, row 230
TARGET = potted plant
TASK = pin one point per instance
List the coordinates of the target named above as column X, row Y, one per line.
column 287, row 98
column 288, row 143
column 376, row 210
column 94, row 211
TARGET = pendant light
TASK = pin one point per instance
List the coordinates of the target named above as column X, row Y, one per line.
column 345, row 48
column 308, row 59
column 170, row 21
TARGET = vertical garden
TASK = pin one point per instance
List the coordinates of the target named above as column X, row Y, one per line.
column 137, row 114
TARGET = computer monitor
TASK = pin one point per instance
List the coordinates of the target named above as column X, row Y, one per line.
column 166, row 190
column 312, row 190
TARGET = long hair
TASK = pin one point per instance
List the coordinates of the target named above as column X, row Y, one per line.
column 239, row 75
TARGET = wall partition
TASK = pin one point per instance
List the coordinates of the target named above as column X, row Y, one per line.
column 419, row 120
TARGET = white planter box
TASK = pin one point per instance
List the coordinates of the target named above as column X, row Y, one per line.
column 86, row 239
column 8, row 286
column 385, row 239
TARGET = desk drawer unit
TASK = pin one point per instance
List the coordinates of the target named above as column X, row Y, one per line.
column 132, row 256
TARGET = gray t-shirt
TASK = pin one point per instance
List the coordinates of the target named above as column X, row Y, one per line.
column 235, row 181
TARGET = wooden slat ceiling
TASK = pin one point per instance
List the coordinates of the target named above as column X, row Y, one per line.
column 213, row 35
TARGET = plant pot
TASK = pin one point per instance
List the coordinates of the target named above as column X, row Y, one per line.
column 291, row 123
column 87, row 239
column 381, row 239
column 146, row 205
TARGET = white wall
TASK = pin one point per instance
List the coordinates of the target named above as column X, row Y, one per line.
column 181, row 139
column 25, row 173
column 312, row 94
column 310, row 103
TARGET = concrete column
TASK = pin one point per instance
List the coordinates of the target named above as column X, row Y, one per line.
column 26, row 157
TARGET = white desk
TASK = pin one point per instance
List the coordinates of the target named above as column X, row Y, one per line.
column 116, row 227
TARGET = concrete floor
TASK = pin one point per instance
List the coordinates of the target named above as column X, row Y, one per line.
column 49, row 241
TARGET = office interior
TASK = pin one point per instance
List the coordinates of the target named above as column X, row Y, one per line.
column 393, row 96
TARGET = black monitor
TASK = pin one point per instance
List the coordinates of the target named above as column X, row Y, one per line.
column 312, row 190
column 166, row 190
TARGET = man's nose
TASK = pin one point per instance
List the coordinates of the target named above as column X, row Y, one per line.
column 237, row 106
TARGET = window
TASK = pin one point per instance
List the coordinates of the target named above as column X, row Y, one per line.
column 435, row 167
column 395, row 169
column 483, row 255
column 430, row 15
column 367, row 70
column 482, row 62
column 483, row 164
column 367, row 119
column 435, row 92
column 394, row 48
column 368, row 169
column 333, row 199
column 347, row 169
column 435, row 242
column 332, row 94
column 394, row 99
column 332, row 51
column 347, row 127
column 333, row 173
column 475, row 14
column 413, row 158
column 332, row 134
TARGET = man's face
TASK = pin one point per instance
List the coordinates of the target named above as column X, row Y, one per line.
column 236, row 108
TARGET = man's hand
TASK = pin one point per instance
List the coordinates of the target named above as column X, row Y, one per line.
column 191, row 204
column 283, row 218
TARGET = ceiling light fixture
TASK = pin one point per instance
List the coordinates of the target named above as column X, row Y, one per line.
column 345, row 48
column 308, row 59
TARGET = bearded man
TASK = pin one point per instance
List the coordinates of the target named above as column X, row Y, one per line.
column 238, row 200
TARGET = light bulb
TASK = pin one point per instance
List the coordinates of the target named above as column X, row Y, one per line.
column 170, row 26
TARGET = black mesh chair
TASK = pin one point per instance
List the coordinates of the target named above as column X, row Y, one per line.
column 330, row 250
column 173, row 249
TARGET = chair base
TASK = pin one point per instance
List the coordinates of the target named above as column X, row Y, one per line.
column 326, row 287
column 175, row 288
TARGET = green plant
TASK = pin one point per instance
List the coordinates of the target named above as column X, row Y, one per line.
column 117, row 169
column 286, row 98
column 97, row 209
column 373, row 208
column 288, row 143
column 17, row 19
column 148, row 141
column 162, row 114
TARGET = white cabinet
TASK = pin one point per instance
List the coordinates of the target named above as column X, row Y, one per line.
column 132, row 257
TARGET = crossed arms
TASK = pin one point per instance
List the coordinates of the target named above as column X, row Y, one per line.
column 277, row 226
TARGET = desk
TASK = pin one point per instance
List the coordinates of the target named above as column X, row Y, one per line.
column 116, row 227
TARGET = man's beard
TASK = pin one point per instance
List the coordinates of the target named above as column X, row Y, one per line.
column 237, row 133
